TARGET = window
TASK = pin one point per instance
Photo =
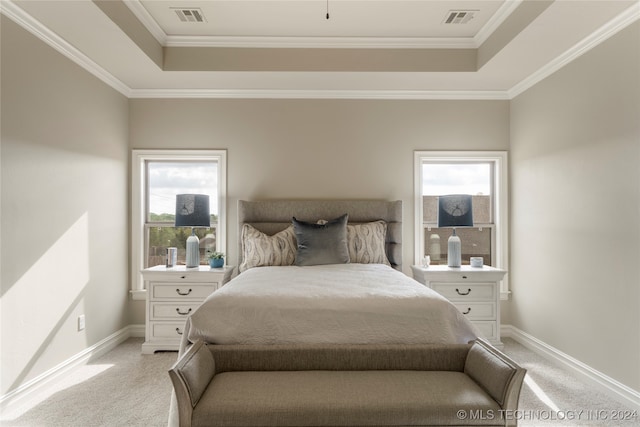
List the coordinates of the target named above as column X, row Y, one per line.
column 158, row 176
column 481, row 174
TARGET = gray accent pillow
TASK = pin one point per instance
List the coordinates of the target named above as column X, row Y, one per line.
column 320, row 244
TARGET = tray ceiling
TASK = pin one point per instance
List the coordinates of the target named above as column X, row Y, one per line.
column 415, row 49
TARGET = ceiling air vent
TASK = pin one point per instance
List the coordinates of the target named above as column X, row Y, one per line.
column 190, row 15
column 459, row 16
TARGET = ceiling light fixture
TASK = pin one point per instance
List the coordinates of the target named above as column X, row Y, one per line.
column 327, row 9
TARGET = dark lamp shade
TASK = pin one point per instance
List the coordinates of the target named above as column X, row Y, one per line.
column 192, row 210
column 455, row 210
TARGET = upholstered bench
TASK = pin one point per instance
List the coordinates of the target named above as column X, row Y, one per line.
column 346, row 385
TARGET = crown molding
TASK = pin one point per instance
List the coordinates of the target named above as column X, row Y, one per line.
column 319, row 94
column 35, row 27
column 495, row 21
column 612, row 27
column 147, row 20
column 322, row 42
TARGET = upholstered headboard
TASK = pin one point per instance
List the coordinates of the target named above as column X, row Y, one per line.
column 272, row 216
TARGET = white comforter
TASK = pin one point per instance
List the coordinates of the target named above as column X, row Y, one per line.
column 339, row 304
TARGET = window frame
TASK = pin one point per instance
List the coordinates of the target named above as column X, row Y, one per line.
column 500, row 212
column 139, row 158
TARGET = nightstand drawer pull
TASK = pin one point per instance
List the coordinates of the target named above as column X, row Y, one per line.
column 468, row 311
column 183, row 313
column 183, row 293
column 178, row 331
column 463, row 293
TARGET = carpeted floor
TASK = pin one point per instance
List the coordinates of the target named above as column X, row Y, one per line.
column 555, row 396
column 126, row 389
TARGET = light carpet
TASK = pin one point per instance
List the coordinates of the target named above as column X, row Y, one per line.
column 126, row 388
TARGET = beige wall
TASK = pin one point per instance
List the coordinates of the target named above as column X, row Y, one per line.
column 320, row 148
column 64, row 158
column 575, row 198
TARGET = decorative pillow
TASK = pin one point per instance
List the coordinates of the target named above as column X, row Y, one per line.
column 261, row 250
column 366, row 243
column 322, row 243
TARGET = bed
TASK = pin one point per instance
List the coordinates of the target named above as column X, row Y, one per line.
column 299, row 290
column 356, row 295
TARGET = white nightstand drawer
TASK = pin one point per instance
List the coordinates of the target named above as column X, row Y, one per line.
column 172, row 311
column 178, row 291
column 474, row 291
column 179, row 275
column 167, row 330
column 466, row 291
column 173, row 294
column 488, row 329
column 477, row 310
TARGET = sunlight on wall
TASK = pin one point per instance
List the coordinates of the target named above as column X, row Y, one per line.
column 37, row 305
column 77, row 376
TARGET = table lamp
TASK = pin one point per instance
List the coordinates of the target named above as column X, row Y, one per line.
column 192, row 210
column 455, row 210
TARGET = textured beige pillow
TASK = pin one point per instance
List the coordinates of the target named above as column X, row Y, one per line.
column 366, row 243
column 261, row 250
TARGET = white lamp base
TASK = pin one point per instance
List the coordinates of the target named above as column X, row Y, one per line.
column 193, row 251
column 454, row 257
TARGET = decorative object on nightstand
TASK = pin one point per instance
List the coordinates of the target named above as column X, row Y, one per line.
column 474, row 291
column 216, row 259
column 455, row 210
column 172, row 257
column 208, row 242
column 192, row 210
column 426, row 261
column 434, row 247
column 172, row 295
column 476, row 261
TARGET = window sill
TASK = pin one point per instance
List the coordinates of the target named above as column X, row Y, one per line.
column 139, row 294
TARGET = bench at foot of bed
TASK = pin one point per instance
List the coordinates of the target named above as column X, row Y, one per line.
column 346, row 385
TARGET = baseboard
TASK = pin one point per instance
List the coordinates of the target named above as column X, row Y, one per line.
column 137, row 331
column 613, row 388
column 22, row 393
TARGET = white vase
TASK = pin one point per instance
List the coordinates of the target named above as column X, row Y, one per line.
column 455, row 251
column 193, row 251
column 434, row 247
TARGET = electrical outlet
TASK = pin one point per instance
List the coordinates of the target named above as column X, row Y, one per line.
column 81, row 322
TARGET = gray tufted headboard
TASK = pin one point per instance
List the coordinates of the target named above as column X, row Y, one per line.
column 271, row 216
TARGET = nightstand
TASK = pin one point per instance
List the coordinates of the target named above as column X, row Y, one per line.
column 474, row 291
column 172, row 295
